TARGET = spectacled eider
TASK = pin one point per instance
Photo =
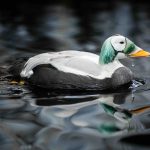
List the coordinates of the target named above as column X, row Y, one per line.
column 82, row 70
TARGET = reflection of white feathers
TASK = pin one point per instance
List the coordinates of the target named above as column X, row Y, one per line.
column 121, row 116
column 108, row 100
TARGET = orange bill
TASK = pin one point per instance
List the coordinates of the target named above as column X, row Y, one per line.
column 140, row 53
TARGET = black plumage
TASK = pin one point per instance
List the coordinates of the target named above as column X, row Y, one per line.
column 48, row 77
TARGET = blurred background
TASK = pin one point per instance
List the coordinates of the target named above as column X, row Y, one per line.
column 28, row 28
column 32, row 120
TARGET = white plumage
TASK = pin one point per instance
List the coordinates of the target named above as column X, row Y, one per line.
column 76, row 62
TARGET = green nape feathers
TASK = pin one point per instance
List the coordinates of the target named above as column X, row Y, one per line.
column 107, row 53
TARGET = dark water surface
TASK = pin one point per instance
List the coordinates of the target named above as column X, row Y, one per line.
column 31, row 119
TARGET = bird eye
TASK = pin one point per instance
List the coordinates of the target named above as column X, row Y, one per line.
column 121, row 42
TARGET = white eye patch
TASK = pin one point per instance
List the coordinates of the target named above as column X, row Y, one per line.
column 118, row 43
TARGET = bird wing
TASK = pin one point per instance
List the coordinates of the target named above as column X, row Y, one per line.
column 76, row 62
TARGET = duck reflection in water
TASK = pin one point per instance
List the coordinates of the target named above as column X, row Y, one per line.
column 68, row 120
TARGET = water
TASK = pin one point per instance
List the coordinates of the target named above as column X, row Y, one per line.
column 61, row 120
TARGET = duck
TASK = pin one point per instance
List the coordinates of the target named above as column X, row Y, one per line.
column 81, row 70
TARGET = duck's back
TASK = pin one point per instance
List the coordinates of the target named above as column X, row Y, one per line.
column 67, row 70
column 75, row 62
